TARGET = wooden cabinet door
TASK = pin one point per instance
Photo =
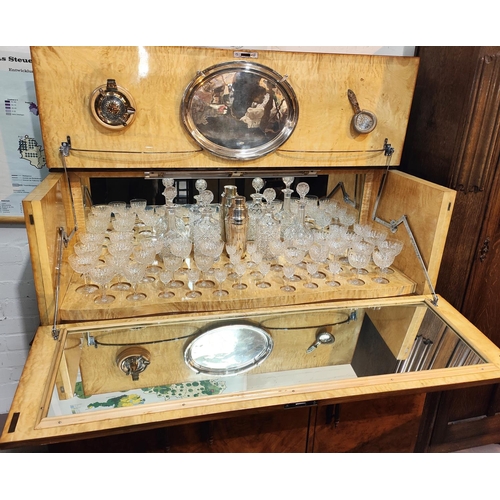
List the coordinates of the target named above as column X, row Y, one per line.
column 280, row 431
column 387, row 425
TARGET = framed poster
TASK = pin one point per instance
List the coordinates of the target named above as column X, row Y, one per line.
column 22, row 157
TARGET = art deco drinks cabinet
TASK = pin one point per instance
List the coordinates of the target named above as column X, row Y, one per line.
column 252, row 305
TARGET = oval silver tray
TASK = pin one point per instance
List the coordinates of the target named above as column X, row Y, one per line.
column 228, row 349
column 239, row 110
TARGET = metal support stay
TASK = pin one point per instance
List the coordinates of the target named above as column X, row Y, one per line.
column 60, row 243
column 65, row 150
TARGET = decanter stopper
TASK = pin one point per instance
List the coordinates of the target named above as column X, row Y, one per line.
column 269, row 195
column 302, row 189
column 257, row 184
column 288, row 181
column 168, row 182
column 170, row 192
column 200, row 185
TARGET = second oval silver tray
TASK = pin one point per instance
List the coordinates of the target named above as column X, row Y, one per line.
column 228, row 349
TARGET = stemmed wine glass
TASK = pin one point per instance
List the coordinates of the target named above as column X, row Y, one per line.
column 240, row 269
column 288, row 272
column 166, row 278
column 312, row 269
column 134, row 273
column 220, row 275
column 264, row 268
column 193, row 276
column 335, row 268
column 318, row 252
column 102, row 274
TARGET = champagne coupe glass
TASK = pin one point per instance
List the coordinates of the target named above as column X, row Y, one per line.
column 240, row 269
column 157, row 244
column 220, row 275
column 393, row 245
column 294, row 255
column 358, row 260
column 121, row 248
column 117, row 207
column 383, row 259
column 312, row 269
column 98, row 238
column 334, row 267
column 173, row 263
column 264, row 268
column 94, row 249
column 134, row 272
column 119, row 262
column 102, row 274
column 117, row 236
column 288, row 272
column 204, row 263
column 82, row 264
column 96, row 224
column 123, row 222
column 146, row 256
column 138, row 205
column 181, row 246
column 166, row 278
column 365, row 248
column 193, row 276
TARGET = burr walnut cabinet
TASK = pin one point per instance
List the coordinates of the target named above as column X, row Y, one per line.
column 389, row 345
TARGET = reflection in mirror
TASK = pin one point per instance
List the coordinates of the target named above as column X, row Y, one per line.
column 349, row 344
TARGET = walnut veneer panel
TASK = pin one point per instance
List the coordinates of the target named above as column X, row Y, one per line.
column 156, row 77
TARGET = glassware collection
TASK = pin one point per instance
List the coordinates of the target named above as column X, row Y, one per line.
column 189, row 251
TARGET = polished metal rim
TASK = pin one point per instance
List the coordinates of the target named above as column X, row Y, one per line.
column 225, row 71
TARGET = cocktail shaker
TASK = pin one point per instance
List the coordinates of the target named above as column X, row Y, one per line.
column 237, row 224
column 226, row 199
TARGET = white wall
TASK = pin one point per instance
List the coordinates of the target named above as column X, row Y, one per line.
column 18, row 310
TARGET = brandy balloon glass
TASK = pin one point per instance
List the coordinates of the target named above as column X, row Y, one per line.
column 102, row 274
